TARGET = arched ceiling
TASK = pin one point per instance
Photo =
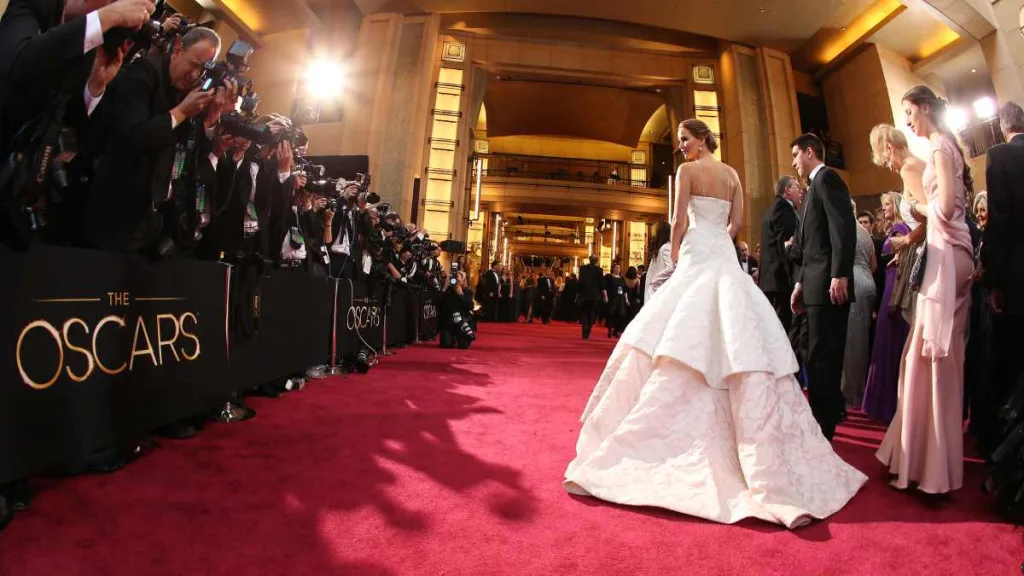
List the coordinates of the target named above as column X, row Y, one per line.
column 517, row 108
column 780, row 23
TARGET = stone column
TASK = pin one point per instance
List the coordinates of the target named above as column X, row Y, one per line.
column 1004, row 49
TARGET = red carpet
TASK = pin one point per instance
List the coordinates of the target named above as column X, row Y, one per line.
column 450, row 462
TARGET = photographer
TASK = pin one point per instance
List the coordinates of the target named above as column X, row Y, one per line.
column 456, row 322
column 52, row 81
column 340, row 234
column 148, row 140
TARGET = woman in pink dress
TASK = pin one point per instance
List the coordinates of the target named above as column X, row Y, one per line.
column 924, row 443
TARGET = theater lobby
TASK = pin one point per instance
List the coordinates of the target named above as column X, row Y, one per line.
column 532, row 135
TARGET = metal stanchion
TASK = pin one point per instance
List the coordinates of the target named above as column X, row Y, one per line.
column 334, row 369
column 384, row 343
column 417, row 311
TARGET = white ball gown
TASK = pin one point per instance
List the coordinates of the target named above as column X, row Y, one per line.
column 697, row 410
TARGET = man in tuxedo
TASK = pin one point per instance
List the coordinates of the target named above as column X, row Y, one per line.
column 747, row 262
column 591, row 279
column 778, row 228
column 489, row 291
column 51, row 50
column 155, row 98
column 1002, row 260
column 825, row 241
column 544, row 298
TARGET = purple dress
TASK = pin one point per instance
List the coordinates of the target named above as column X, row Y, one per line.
column 890, row 336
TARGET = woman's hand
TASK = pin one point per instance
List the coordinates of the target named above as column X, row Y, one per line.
column 898, row 243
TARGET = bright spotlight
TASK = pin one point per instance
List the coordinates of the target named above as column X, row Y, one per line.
column 324, row 79
column 984, row 108
column 956, row 119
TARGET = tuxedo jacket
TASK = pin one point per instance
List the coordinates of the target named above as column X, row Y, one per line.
column 826, row 238
column 489, row 282
column 134, row 174
column 591, row 282
column 234, row 190
column 544, row 286
column 1002, row 250
column 777, row 227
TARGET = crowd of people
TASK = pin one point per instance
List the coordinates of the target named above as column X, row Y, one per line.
column 121, row 131
column 548, row 293
column 936, row 289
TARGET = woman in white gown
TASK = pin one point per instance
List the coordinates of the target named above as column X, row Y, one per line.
column 697, row 410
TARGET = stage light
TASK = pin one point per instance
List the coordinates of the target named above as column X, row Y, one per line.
column 984, row 108
column 956, row 119
column 324, row 79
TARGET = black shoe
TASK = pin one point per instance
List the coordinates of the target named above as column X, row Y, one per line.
column 18, row 494
column 6, row 514
column 180, row 430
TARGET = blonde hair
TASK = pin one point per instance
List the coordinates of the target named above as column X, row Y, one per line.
column 881, row 135
column 897, row 199
column 981, row 198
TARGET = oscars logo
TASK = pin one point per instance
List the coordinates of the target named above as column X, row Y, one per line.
column 429, row 311
column 364, row 313
column 102, row 345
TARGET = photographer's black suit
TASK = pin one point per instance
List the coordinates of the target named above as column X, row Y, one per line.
column 37, row 58
column 345, row 222
column 826, row 240
column 234, row 189
column 41, row 60
column 134, row 175
column 591, row 281
column 776, row 276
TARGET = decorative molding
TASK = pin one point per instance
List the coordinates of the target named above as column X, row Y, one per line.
column 703, row 74
column 482, row 147
column 453, row 52
column 639, row 157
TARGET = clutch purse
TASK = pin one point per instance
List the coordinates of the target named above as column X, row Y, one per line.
column 917, row 272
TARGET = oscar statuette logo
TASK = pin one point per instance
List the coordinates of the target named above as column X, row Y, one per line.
column 82, row 344
column 364, row 313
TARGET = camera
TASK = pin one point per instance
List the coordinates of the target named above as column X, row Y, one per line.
column 236, row 61
column 454, row 274
column 462, row 325
column 142, row 39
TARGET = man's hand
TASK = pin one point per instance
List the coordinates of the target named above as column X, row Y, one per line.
column 125, row 14
column 996, row 300
column 796, row 301
column 328, row 216
column 320, row 204
column 838, row 291
column 790, row 242
column 224, row 99
column 285, row 159
column 193, row 104
column 899, row 243
column 104, row 68
column 222, row 144
column 171, row 23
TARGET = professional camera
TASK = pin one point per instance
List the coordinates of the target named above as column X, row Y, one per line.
column 235, row 62
column 141, row 39
column 312, row 172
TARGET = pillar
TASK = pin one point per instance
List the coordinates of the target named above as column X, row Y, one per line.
column 1004, row 49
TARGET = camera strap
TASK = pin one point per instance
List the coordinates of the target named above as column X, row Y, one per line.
column 25, row 175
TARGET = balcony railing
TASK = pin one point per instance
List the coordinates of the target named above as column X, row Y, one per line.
column 568, row 169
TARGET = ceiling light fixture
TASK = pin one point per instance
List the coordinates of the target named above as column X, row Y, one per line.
column 984, row 108
column 956, row 119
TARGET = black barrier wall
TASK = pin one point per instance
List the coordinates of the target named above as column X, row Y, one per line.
column 101, row 349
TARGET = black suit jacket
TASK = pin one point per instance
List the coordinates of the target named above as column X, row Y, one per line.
column 1002, row 251
column 778, row 226
column 591, row 282
column 37, row 58
column 827, row 238
column 134, row 174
